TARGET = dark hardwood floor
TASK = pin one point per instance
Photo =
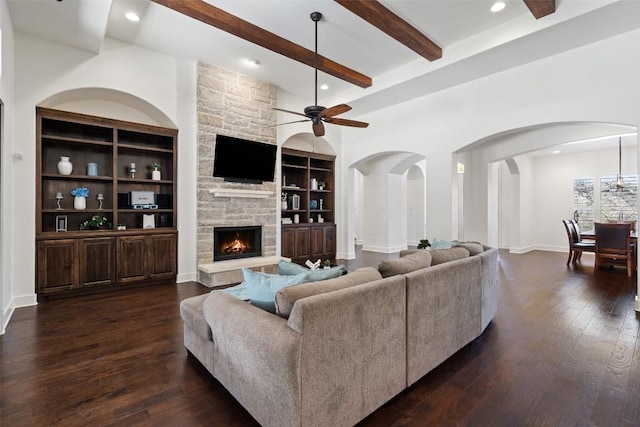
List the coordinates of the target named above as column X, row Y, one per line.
column 563, row 350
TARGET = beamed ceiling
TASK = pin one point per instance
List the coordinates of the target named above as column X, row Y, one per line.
column 372, row 54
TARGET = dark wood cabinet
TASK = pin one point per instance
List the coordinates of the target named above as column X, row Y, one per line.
column 295, row 242
column 162, row 256
column 146, row 257
column 307, row 187
column 96, row 261
column 132, row 259
column 111, row 160
column 57, row 266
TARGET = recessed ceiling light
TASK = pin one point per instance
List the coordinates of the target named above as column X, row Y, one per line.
column 555, row 151
column 324, row 86
column 498, row 6
column 132, row 16
column 253, row 62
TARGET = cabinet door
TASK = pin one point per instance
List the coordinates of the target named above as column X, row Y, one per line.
column 57, row 266
column 303, row 242
column 317, row 243
column 96, row 261
column 329, row 241
column 132, row 258
column 288, row 242
column 162, row 255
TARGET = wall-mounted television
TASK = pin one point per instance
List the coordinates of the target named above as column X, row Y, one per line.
column 241, row 160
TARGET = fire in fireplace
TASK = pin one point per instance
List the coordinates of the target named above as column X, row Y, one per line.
column 236, row 242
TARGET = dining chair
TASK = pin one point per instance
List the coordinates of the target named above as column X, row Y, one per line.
column 576, row 245
column 613, row 246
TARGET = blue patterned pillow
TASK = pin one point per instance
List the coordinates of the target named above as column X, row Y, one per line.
column 262, row 287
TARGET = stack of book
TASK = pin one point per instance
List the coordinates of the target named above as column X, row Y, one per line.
column 287, row 221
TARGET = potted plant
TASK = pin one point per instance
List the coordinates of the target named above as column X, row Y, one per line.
column 155, row 173
column 122, row 226
column 320, row 185
column 327, row 264
column 94, row 223
column 424, row 244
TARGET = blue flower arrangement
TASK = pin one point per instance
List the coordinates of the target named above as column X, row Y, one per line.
column 80, row 192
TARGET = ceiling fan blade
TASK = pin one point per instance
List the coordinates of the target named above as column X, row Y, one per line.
column 296, row 121
column 290, row 112
column 318, row 129
column 345, row 122
column 335, row 110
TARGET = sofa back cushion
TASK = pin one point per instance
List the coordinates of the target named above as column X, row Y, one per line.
column 287, row 297
column 474, row 248
column 412, row 262
column 440, row 256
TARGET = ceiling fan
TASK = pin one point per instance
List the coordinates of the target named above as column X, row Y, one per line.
column 317, row 114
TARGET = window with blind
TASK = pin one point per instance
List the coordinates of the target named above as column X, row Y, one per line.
column 617, row 204
column 583, row 202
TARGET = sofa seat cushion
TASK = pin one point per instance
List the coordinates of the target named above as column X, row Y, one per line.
column 191, row 313
column 287, row 297
column 291, row 269
column 412, row 262
column 440, row 256
column 262, row 287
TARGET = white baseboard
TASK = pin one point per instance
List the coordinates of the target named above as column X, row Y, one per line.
column 186, row 277
column 346, row 255
column 522, row 250
column 383, row 249
column 6, row 316
column 17, row 302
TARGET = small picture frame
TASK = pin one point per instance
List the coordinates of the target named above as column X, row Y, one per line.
column 61, row 223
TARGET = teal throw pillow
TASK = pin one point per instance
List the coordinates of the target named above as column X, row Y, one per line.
column 291, row 268
column 440, row 244
column 238, row 291
column 262, row 287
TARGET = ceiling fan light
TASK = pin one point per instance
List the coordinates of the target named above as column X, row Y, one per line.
column 498, row 6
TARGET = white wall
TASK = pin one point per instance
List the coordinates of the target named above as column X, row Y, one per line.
column 44, row 69
column 553, row 188
column 415, row 206
column 575, row 86
column 6, row 169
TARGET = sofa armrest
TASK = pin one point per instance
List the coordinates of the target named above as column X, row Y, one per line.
column 256, row 358
column 353, row 350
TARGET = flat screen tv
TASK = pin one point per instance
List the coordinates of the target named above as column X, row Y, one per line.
column 241, row 160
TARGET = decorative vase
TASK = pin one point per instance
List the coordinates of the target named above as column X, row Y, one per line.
column 79, row 203
column 64, row 166
column 92, row 169
column 155, row 175
column 284, row 205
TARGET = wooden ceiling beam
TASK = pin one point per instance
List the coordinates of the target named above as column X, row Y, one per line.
column 379, row 16
column 540, row 8
column 204, row 12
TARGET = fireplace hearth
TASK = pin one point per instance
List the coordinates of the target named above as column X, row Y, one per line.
column 236, row 242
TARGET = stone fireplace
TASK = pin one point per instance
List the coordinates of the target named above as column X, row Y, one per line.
column 236, row 105
column 236, row 242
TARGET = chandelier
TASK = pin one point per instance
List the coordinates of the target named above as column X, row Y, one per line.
column 619, row 181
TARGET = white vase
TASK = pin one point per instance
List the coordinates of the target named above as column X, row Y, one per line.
column 155, row 175
column 284, row 205
column 64, row 166
column 79, row 203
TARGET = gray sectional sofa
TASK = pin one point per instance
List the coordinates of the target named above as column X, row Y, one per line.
column 337, row 350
